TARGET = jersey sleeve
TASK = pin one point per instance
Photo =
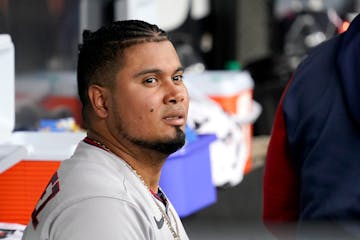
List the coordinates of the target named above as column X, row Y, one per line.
column 280, row 183
column 101, row 218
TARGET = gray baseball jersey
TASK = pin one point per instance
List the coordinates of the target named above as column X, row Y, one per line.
column 94, row 195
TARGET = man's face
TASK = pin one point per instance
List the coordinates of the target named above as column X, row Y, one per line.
column 150, row 101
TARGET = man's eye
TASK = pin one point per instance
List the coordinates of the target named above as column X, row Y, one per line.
column 150, row 81
column 178, row 78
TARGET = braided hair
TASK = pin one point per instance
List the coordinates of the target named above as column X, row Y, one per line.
column 100, row 54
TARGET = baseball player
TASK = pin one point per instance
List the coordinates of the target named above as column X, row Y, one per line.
column 135, row 108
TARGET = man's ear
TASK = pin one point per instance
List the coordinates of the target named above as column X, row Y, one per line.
column 98, row 98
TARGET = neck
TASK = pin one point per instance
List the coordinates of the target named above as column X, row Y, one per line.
column 146, row 165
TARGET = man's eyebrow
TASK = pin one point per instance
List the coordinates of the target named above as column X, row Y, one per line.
column 146, row 71
column 180, row 69
column 156, row 71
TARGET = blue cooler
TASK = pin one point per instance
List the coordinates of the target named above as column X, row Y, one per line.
column 186, row 177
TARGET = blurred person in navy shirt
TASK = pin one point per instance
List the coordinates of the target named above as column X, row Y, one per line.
column 312, row 170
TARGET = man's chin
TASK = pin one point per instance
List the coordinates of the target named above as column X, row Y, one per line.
column 165, row 146
column 172, row 144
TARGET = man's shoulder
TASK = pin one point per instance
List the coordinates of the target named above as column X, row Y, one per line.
column 80, row 179
column 89, row 175
column 315, row 81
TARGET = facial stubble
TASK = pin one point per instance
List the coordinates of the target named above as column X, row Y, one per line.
column 164, row 146
column 167, row 146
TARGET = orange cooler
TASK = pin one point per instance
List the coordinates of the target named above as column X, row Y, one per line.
column 20, row 188
column 233, row 90
column 24, row 176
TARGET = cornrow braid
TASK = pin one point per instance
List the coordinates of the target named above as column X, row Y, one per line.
column 101, row 52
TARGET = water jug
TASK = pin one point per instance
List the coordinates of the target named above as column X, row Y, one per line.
column 7, row 89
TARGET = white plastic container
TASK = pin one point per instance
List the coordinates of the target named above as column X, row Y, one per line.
column 7, row 91
column 231, row 89
column 231, row 154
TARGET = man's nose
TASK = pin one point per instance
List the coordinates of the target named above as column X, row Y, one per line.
column 175, row 93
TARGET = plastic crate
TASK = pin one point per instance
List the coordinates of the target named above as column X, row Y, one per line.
column 186, row 177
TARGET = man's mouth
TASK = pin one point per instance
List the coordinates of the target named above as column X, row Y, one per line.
column 176, row 119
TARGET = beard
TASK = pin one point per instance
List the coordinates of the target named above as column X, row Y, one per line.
column 166, row 147
column 163, row 146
